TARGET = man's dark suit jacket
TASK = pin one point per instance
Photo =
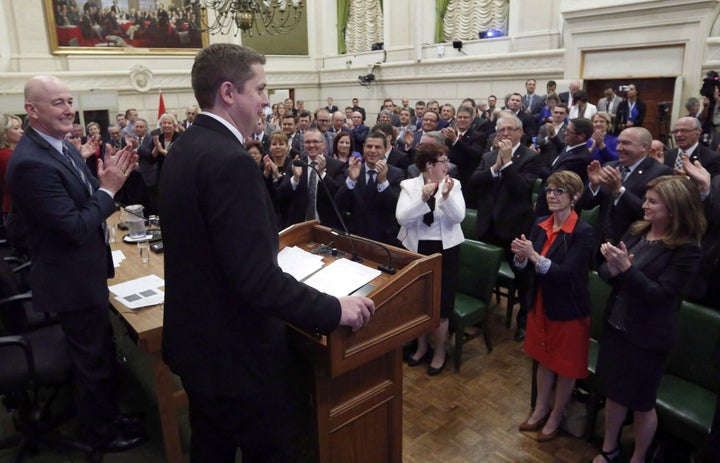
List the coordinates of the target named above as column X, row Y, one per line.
column 564, row 97
column 295, row 201
column 331, row 109
column 614, row 219
column 550, row 147
column 372, row 213
column 538, row 103
column 565, row 294
column 621, row 116
column 704, row 286
column 466, row 154
column 226, row 300
column 576, row 160
column 71, row 262
column 708, row 158
column 399, row 159
column 651, row 292
column 506, row 202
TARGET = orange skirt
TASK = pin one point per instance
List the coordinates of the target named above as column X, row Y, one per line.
column 561, row 346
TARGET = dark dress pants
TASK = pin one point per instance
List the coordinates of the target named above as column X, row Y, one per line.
column 263, row 426
column 89, row 337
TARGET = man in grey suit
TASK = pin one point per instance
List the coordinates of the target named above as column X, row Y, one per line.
column 609, row 103
column 532, row 103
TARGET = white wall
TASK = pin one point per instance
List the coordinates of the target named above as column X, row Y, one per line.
column 548, row 39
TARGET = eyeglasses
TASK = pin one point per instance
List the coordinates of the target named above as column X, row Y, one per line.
column 443, row 161
column 555, row 191
column 312, row 142
column 682, row 131
column 507, row 129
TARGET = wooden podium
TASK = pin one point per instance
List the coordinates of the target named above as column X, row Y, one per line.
column 354, row 380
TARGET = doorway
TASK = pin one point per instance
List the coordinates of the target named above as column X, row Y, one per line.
column 656, row 93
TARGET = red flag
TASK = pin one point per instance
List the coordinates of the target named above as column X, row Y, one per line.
column 161, row 106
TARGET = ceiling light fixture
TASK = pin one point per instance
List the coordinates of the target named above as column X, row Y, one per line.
column 252, row 17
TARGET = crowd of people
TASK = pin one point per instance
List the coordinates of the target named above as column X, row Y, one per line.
column 408, row 178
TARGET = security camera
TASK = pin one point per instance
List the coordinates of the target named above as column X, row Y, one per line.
column 366, row 80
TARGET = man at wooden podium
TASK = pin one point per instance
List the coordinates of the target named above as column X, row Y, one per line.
column 227, row 301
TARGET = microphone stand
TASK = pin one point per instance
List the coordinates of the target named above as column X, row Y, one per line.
column 300, row 163
column 385, row 268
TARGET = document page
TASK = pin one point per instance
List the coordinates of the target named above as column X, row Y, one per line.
column 141, row 292
column 298, row 262
column 342, row 277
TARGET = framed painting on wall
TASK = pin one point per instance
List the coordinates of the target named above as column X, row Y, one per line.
column 124, row 26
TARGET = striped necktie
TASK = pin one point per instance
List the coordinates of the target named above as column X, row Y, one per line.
column 68, row 157
column 679, row 160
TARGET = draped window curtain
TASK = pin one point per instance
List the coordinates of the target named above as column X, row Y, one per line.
column 464, row 19
column 360, row 24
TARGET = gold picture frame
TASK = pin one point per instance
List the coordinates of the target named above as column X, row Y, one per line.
column 124, row 27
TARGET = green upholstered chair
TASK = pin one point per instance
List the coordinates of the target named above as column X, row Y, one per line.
column 591, row 216
column 688, row 389
column 506, row 279
column 536, row 190
column 469, row 224
column 599, row 294
column 479, row 264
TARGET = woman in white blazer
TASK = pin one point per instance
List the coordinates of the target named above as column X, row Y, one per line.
column 429, row 211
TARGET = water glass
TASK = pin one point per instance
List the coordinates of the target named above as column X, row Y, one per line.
column 144, row 251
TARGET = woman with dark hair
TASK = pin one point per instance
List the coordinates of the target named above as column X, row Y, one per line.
column 276, row 166
column 429, row 211
column 631, row 111
column 603, row 144
column 342, row 148
column 93, row 133
column 560, row 249
column 255, row 148
column 647, row 271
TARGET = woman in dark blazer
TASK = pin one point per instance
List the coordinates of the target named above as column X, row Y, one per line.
column 647, row 271
column 558, row 327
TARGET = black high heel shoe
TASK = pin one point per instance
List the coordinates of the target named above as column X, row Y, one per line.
column 412, row 362
column 432, row 371
column 612, row 456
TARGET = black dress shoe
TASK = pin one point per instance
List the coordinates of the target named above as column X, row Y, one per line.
column 121, row 443
column 432, row 371
column 520, row 335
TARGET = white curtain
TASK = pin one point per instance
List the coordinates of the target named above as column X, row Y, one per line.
column 464, row 19
column 365, row 25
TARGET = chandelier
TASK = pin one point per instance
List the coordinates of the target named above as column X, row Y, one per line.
column 252, row 17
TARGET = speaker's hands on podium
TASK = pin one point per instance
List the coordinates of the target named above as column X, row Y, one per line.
column 356, row 311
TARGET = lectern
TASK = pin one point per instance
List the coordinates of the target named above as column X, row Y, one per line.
column 353, row 381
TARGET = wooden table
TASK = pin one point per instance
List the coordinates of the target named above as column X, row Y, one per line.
column 356, row 378
column 145, row 328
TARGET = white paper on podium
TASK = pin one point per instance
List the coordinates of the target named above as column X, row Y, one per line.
column 140, row 292
column 298, row 262
column 342, row 277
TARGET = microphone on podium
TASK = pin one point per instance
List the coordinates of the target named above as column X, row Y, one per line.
column 385, row 268
column 300, row 163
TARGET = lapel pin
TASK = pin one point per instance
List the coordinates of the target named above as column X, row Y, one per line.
column 639, row 172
